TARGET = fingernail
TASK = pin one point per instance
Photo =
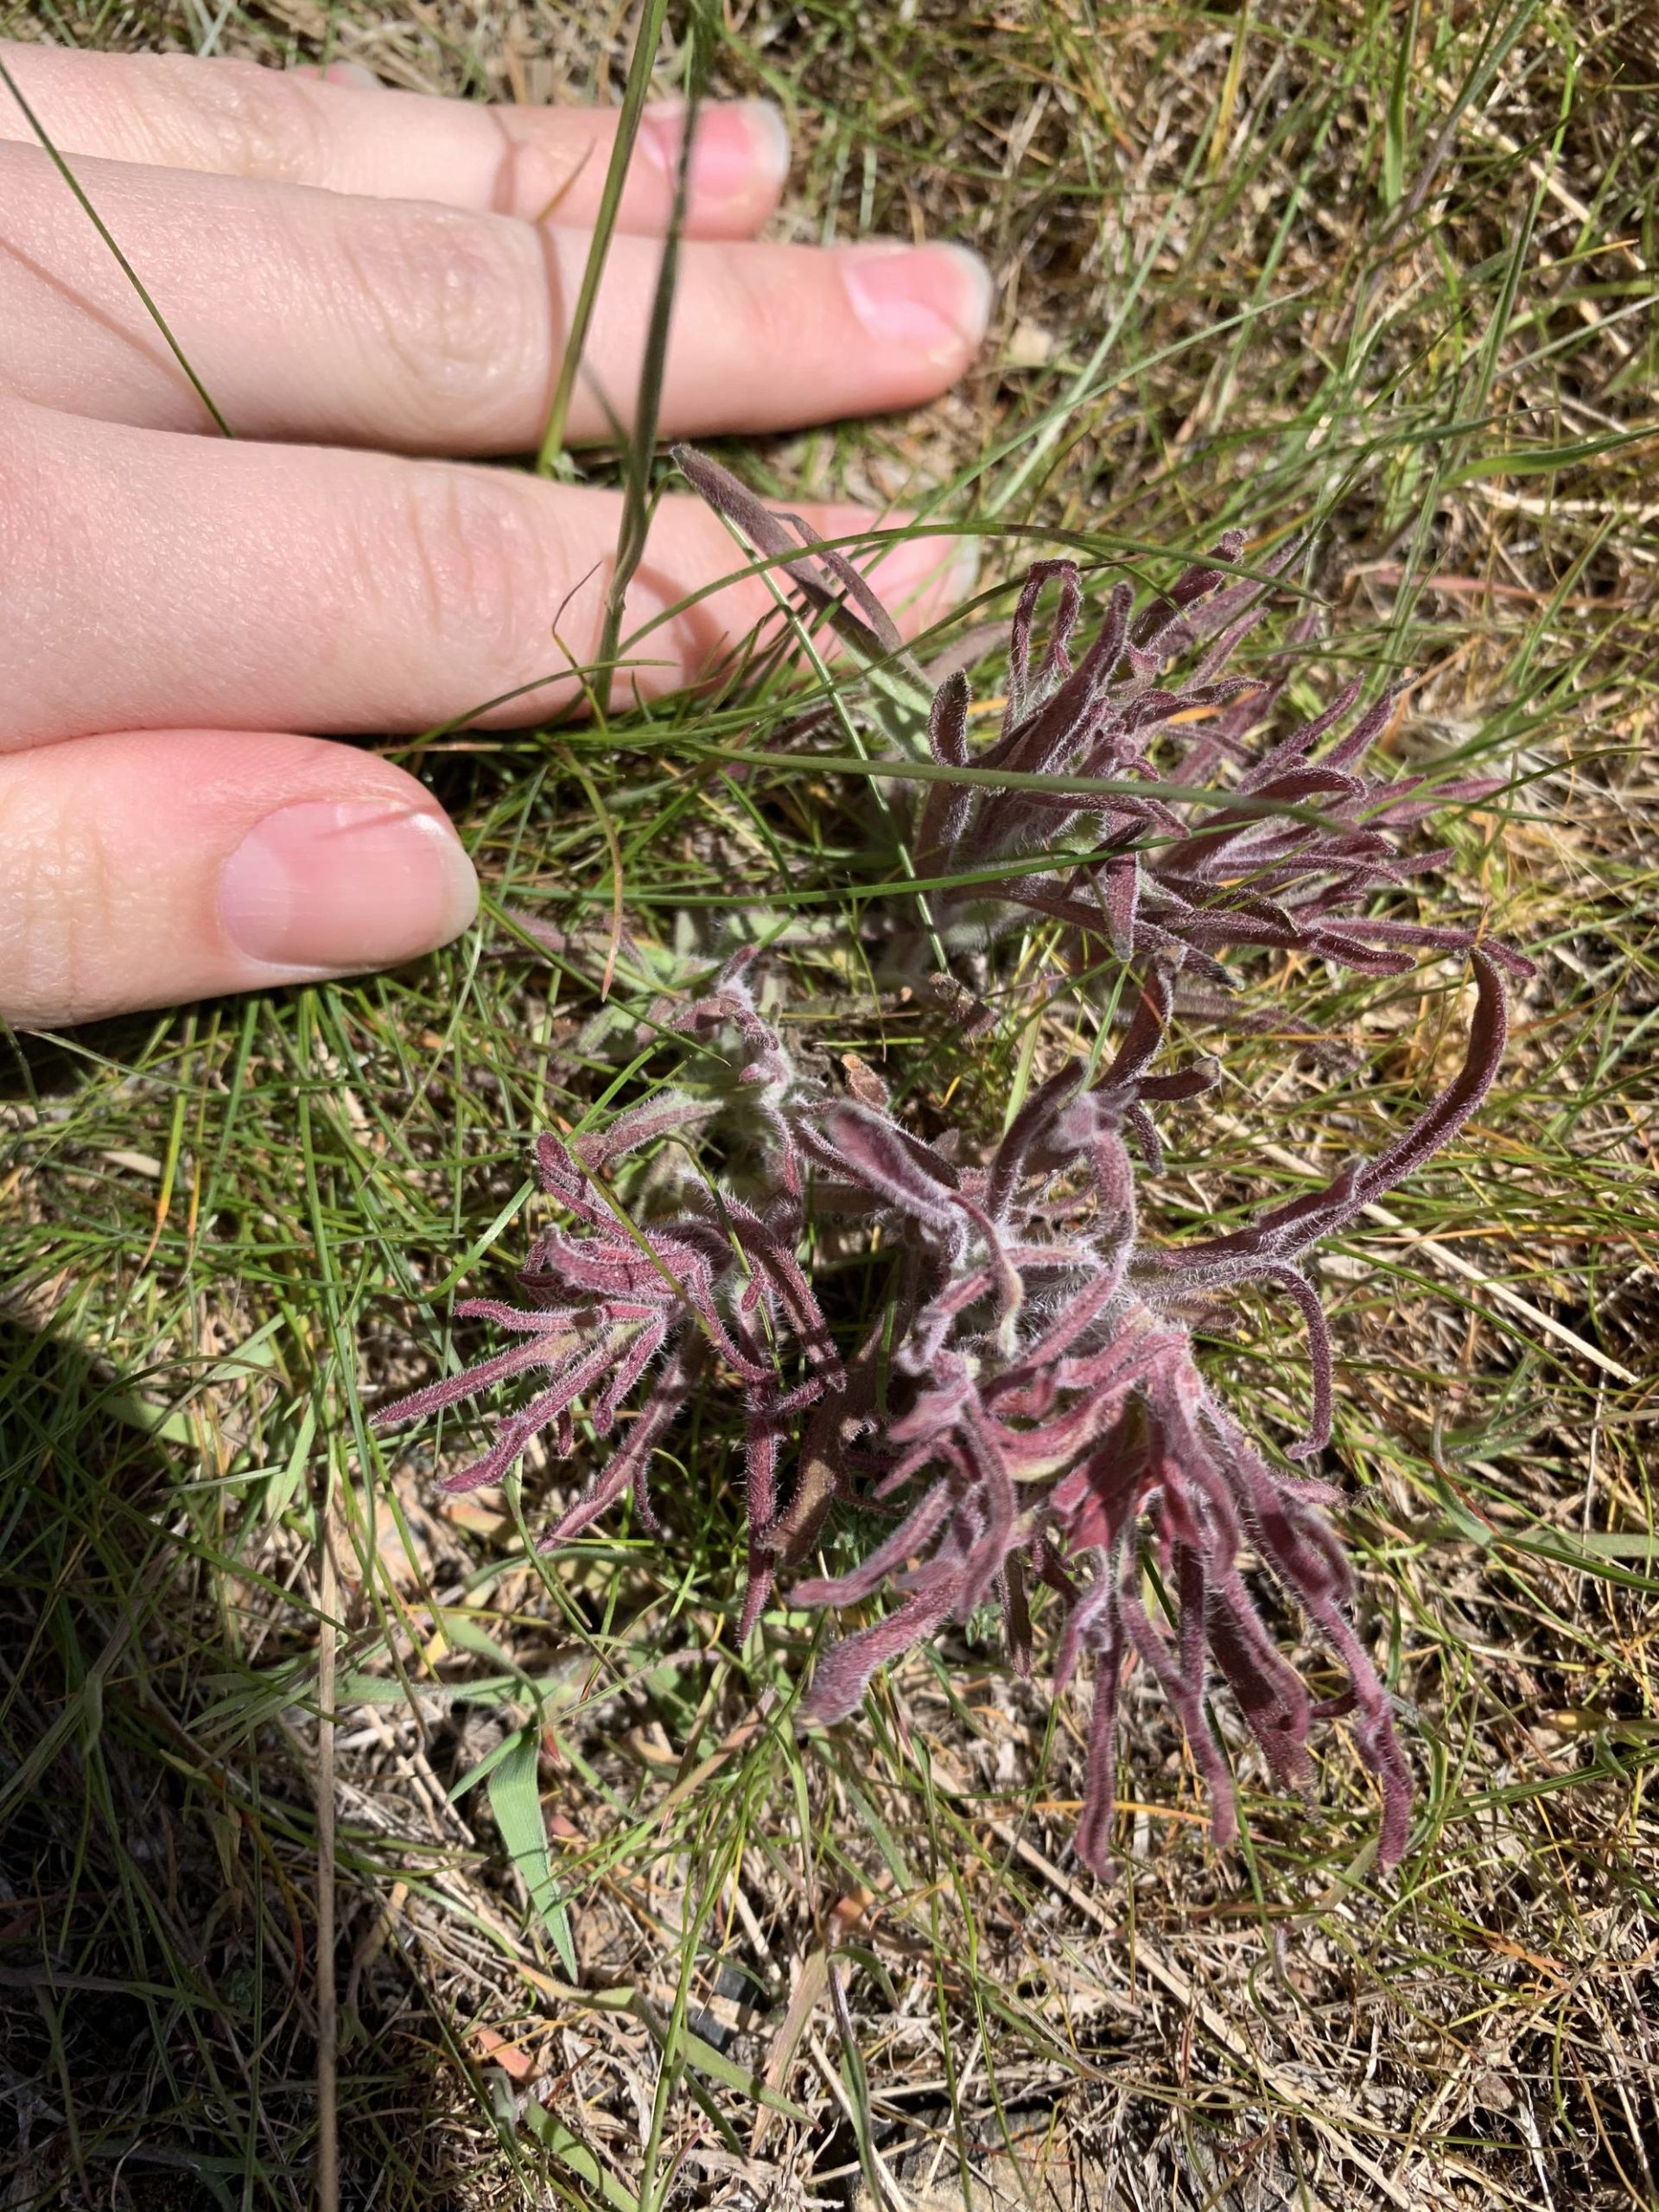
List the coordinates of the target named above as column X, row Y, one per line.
column 741, row 150
column 934, row 299
column 941, row 570
column 351, row 73
column 346, row 884
column 768, row 138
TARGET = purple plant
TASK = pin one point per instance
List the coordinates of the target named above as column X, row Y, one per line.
column 1287, row 859
column 1052, row 1443
column 1041, row 1404
column 1205, row 878
column 716, row 1282
column 1027, row 1403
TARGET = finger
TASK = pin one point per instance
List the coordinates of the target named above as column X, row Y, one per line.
column 391, row 323
column 151, row 580
column 149, row 868
column 234, row 118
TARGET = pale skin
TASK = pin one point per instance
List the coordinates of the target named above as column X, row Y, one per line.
column 371, row 286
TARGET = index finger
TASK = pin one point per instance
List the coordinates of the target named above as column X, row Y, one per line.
column 235, row 118
column 227, row 585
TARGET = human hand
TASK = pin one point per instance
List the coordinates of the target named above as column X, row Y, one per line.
column 356, row 276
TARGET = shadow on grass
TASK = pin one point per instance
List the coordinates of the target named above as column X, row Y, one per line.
column 157, row 1861
column 47, row 1067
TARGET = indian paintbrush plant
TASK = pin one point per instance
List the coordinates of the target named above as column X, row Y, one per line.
column 1026, row 1406
column 1287, row 860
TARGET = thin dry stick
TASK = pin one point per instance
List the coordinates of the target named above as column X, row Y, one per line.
column 898, row 2200
column 327, row 2012
column 1176, row 1984
column 1447, row 1260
